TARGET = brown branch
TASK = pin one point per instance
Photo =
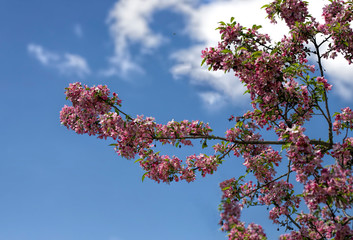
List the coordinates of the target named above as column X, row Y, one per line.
column 328, row 118
column 241, row 142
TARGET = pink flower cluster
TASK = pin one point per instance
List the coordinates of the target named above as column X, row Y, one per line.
column 324, row 82
column 332, row 185
column 230, row 214
column 263, row 164
column 252, row 232
column 343, row 120
column 168, row 169
column 280, row 194
column 338, row 16
column 291, row 11
column 343, row 153
column 91, row 114
column 268, row 77
column 305, row 158
column 87, row 105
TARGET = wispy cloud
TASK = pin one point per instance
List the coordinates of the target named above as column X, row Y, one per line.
column 129, row 23
column 340, row 74
column 43, row 56
column 77, row 28
column 67, row 63
column 130, row 26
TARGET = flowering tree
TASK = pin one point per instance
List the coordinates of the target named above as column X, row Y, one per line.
column 286, row 92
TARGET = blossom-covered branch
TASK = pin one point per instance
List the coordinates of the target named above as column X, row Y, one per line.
column 286, row 92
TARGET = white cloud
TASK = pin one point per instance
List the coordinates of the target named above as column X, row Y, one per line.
column 130, row 26
column 68, row 64
column 213, row 100
column 341, row 76
column 43, row 56
column 78, row 30
column 74, row 65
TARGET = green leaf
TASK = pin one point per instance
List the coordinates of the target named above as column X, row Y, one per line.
column 256, row 26
column 226, row 51
column 203, row 61
column 256, row 54
column 239, row 124
column 204, row 144
column 138, row 160
column 113, row 144
column 241, row 48
column 231, row 19
column 247, row 91
column 144, row 175
column 285, row 146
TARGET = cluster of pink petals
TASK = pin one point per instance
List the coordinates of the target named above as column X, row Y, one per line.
column 173, row 130
column 90, row 113
column 87, row 105
column 305, row 158
column 343, row 153
column 333, row 185
column 263, row 164
column 338, row 16
column 252, row 232
column 268, row 79
column 343, row 120
column 280, row 194
column 324, row 82
column 230, row 213
column 291, row 11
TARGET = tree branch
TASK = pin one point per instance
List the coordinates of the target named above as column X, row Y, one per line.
column 241, row 142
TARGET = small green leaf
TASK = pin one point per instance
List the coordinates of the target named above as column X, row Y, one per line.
column 138, row 160
column 144, row 175
column 239, row 124
column 226, row 51
column 231, row 19
column 241, row 48
column 203, row 61
column 256, row 54
column 285, row 146
column 247, row 91
column 204, row 144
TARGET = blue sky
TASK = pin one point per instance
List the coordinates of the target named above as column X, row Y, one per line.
column 58, row 185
